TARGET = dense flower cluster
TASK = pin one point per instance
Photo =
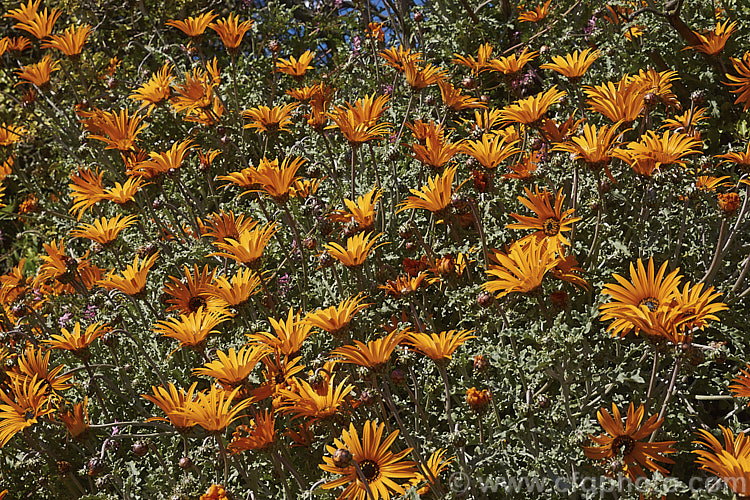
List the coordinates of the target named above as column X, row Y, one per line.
column 230, row 247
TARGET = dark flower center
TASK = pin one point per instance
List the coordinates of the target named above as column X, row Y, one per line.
column 29, row 415
column 627, row 444
column 370, row 469
column 650, row 302
column 196, row 303
column 551, row 226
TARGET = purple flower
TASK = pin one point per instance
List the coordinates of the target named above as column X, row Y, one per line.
column 90, row 312
column 356, row 44
column 284, row 284
column 387, row 89
column 527, row 79
column 64, row 319
column 590, row 27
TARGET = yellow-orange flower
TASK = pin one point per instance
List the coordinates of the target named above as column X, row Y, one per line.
column 71, row 41
column 87, row 189
column 38, row 73
column 76, row 421
column 491, row 150
column 222, row 225
column 248, row 248
column 358, row 247
column 651, row 151
column 277, row 179
column 594, row 147
column 10, row 134
column 620, row 102
column 730, row 462
column 435, row 196
column 157, row 90
column 550, row 222
column 288, row 335
column 235, row 293
column 531, row 110
column 439, row 347
column 104, row 231
column 741, row 81
column 125, row 193
column 231, row 31
column 362, row 212
column 121, row 129
column 193, row 26
column 296, row 67
column 191, row 330
column 536, row 14
column 420, row 77
column 27, row 402
column 437, row 149
column 373, row 355
column 359, row 122
column 164, row 162
column 270, row 120
column 42, row 23
column 381, row 469
column 522, row 269
column 77, row 341
column 259, row 435
column 741, row 384
column 233, row 368
column 172, row 401
column 192, row 292
column 649, row 288
column 476, row 65
column 314, row 403
column 478, row 400
column 213, row 410
column 628, row 442
column 133, row 279
column 513, row 64
column 24, row 13
column 455, row 99
column 713, row 42
column 573, row 65
column 336, row 319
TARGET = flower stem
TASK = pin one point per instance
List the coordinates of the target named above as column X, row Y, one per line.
column 223, row 453
column 446, row 386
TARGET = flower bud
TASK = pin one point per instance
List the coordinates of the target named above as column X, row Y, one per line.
column 367, row 398
column 480, row 363
column 398, row 376
column 485, row 299
column 342, row 458
column 140, row 449
column 325, row 259
column 95, row 466
column 63, row 467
